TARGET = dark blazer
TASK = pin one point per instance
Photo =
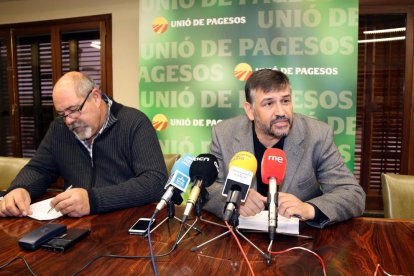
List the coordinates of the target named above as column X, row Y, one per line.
column 315, row 171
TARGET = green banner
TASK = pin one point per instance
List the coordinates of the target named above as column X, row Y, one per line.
column 195, row 56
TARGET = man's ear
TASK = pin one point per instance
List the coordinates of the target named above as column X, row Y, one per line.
column 248, row 108
column 96, row 96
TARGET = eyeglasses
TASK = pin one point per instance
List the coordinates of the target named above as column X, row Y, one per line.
column 73, row 113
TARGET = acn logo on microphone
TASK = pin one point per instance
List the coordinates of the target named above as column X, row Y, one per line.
column 202, row 159
column 275, row 158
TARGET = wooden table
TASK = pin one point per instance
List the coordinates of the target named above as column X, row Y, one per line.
column 354, row 247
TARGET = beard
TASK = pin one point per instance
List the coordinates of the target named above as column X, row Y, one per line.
column 81, row 130
column 272, row 129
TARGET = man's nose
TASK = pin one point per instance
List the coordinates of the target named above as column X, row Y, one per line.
column 278, row 110
column 69, row 120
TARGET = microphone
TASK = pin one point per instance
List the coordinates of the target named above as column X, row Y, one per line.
column 203, row 172
column 273, row 172
column 177, row 182
column 242, row 169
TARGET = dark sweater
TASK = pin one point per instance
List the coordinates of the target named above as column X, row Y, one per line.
column 127, row 169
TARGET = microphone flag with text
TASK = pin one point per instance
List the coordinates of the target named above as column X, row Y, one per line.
column 242, row 168
column 177, row 182
column 273, row 171
column 203, row 172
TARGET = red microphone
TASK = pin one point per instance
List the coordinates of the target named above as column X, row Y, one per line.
column 273, row 171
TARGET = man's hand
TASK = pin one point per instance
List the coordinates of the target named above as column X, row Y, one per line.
column 254, row 204
column 290, row 205
column 73, row 202
column 16, row 204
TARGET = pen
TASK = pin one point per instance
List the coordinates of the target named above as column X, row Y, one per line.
column 68, row 188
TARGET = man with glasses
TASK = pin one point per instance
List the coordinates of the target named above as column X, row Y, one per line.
column 108, row 153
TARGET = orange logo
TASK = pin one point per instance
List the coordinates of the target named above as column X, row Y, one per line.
column 159, row 122
column 242, row 71
column 159, row 25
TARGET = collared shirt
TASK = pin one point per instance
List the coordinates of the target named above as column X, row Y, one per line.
column 108, row 111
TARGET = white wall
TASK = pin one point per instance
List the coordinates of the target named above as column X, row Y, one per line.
column 124, row 33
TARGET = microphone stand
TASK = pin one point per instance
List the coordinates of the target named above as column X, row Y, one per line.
column 234, row 222
column 171, row 215
column 233, row 197
column 197, row 209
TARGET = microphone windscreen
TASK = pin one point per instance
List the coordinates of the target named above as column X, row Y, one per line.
column 273, row 165
column 242, row 168
column 180, row 173
column 183, row 164
column 244, row 160
column 204, row 167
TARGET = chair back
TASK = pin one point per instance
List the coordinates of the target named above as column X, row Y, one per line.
column 9, row 168
column 169, row 159
column 398, row 195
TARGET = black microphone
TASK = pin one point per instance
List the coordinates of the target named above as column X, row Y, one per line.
column 203, row 172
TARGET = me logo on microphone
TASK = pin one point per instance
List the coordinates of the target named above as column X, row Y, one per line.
column 275, row 158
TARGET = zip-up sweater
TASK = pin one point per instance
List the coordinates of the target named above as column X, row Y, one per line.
column 127, row 168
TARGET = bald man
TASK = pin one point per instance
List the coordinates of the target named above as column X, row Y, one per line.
column 108, row 153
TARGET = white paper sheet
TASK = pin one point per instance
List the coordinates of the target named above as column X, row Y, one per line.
column 40, row 210
column 260, row 222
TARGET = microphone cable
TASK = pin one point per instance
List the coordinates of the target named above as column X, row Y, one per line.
column 380, row 268
column 135, row 257
column 241, row 248
column 16, row 258
column 150, row 244
column 301, row 248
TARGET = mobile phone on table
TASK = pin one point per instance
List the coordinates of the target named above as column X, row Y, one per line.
column 140, row 227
